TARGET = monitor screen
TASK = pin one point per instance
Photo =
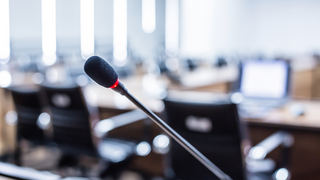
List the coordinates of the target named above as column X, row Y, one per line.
column 264, row 79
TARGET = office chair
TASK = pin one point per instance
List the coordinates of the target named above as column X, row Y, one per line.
column 76, row 131
column 216, row 130
column 28, row 109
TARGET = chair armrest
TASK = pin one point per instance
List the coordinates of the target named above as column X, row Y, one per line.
column 106, row 125
column 260, row 151
column 12, row 171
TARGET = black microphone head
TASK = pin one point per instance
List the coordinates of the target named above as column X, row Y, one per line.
column 100, row 71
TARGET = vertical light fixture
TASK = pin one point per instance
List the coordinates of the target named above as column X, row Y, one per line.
column 87, row 28
column 120, row 32
column 172, row 27
column 148, row 16
column 4, row 32
column 49, row 48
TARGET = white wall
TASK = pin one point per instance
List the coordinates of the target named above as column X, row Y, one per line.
column 208, row 27
column 139, row 41
column 25, row 26
column 68, row 25
column 280, row 26
column 268, row 27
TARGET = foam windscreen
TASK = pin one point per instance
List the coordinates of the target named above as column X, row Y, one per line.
column 100, row 71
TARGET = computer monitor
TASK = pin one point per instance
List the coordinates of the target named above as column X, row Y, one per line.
column 264, row 79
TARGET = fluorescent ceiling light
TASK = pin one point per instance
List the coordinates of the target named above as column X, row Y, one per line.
column 49, row 31
column 148, row 16
column 120, row 32
column 87, row 28
column 172, row 27
column 4, row 31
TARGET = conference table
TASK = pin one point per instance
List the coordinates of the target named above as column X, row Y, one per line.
column 305, row 127
column 305, row 153
column 280, row 117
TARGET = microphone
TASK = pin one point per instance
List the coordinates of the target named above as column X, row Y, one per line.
column 102, row 73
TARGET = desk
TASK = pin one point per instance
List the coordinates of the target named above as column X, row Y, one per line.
column 305, row 153
column 305, row 158
column 7, row 132
column 281, row 117
column 107, row 99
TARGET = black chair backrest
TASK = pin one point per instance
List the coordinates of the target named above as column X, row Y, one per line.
column 28, row 107
column 70, row 117
column 212, row 128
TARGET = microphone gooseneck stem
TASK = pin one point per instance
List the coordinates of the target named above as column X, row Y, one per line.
column 184, row 143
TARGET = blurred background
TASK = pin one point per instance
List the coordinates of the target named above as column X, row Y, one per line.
column 238, row 79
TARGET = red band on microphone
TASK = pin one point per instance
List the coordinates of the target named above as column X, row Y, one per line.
column 115, row 84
